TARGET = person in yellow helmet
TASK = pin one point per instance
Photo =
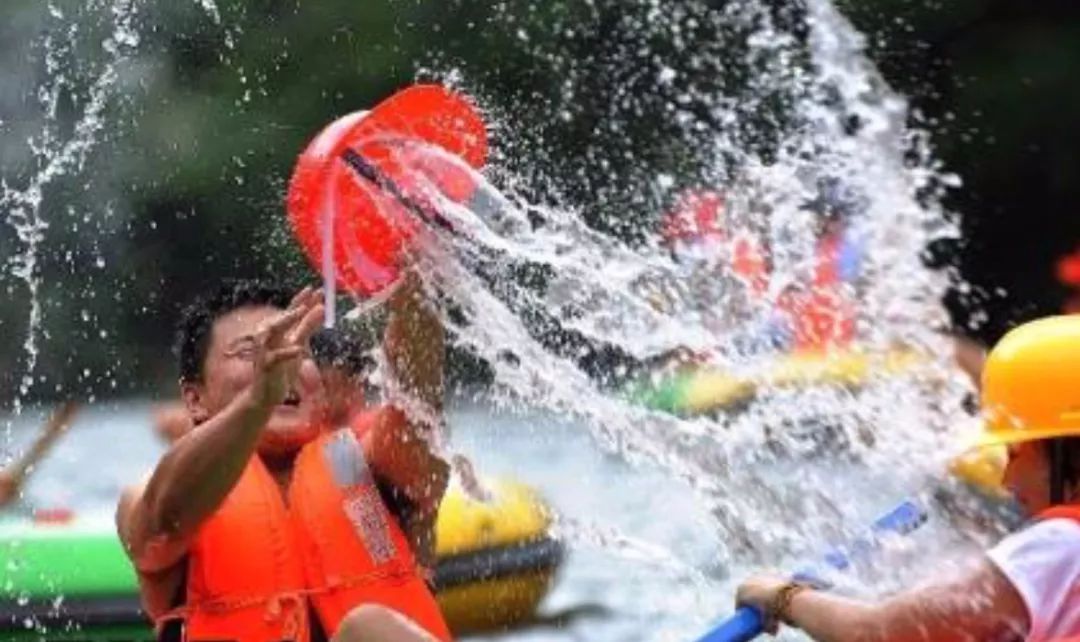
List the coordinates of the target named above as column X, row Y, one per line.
column 1028, row 586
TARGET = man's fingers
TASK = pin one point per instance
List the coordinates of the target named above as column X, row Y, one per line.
column 297, row 323
column 281, row 355
column 313, row 296
column 277, row 325
column 310, row 298
column 307, row 326
column 300, row 297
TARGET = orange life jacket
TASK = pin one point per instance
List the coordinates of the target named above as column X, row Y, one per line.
column 748, row 262
column 827, row 263
column 257, row 562
column 1062, row 511
column 823, row 315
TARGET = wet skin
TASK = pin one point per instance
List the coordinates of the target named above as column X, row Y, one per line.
column 1027, row 476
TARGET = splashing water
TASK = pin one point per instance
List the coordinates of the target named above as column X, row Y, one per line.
column 777, row 475
column 532, row 288
column 57, row 155
column 211, row 10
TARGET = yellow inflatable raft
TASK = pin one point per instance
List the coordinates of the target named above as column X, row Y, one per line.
column 696, row 391
column 702, row 390
column 496, row 558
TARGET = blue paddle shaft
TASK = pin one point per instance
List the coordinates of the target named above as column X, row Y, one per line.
column 748, row 623
column 745, row 625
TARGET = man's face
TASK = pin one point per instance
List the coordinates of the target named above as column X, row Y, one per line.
column 229, row 369
column 1027, row 476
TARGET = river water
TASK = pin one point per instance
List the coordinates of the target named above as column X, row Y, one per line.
column 645, row 558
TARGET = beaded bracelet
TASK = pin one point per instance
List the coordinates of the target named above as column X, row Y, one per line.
column 782, row 601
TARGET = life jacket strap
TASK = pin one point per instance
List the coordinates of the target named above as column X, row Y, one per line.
column 278, row 603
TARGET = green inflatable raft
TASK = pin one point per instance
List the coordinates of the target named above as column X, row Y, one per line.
column 66, row 577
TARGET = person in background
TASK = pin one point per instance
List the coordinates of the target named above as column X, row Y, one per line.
column 15, row 474
column 1025, row 588
column 1068, row 273
column 821, row 314
column 171, row 421
column 812, row 315
column 696, row 231
column 725, row 268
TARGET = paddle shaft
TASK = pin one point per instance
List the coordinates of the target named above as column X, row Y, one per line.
column 59, row 421
column 748, row 622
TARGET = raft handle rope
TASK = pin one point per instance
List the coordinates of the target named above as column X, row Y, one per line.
column 749, row 622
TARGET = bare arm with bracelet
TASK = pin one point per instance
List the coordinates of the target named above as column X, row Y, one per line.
column 979, row 605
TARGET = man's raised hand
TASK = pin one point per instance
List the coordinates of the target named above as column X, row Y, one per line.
column 281, row 342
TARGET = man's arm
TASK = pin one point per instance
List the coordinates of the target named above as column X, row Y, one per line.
column 200, row 469
column 189, row 483
column 397, row 444
column 980, row 605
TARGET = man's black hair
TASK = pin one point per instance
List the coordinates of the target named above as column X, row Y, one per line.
column 197, row 319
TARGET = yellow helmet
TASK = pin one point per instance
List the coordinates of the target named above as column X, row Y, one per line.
column 1031, row 383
